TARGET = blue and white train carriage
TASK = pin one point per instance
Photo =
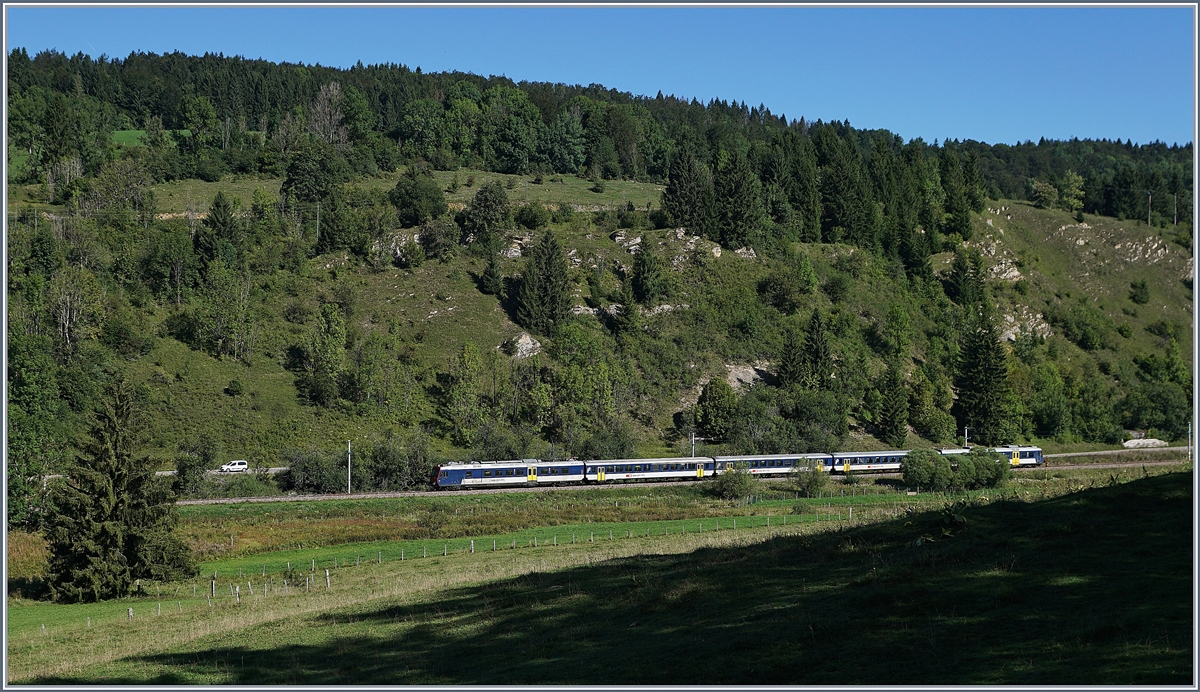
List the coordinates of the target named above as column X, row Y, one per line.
column 492, row 474
column 1022, row 455
column 536, row 472
column 868, row 462
column 609, row 470
column 774, row 464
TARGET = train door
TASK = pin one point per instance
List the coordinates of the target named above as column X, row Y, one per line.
column 531, row 474
column 1016, row 458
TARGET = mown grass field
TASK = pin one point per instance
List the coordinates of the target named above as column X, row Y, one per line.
column 1015, row 591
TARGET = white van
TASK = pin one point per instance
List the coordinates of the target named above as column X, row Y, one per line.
column 236, row 466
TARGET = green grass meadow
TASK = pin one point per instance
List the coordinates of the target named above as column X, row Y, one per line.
column 1019, row 588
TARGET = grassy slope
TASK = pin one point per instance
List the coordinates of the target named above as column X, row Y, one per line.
column 1049, row 592
column 439, row 305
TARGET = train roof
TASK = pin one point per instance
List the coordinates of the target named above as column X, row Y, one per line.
column 1009, row 448
column 509, row 462
column 751, row 457
column 882, row 453
column 660, row 460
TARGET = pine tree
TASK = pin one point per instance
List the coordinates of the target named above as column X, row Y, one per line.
column 218, row 230
column 627, row 321
column 981, row 381
column 914, row 251
column 893, row 411
column 544, row 298
column 739, row 202
column 649, row 278
column 715, row 408
column 492, row 282
column 964, row 285
column 688, row 196
column 957, row 202
column 973, row 181
column 791, row 358
column 113, row 516
column 818, row 356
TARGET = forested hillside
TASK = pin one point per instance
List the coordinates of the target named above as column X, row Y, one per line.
column 285, row 257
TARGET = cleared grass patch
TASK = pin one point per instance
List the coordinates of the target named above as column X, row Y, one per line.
column 1016, row 593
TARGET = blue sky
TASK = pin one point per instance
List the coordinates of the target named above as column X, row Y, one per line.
column 990, row 74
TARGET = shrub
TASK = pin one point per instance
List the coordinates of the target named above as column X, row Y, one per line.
column 1139, row 292
column 734, row 484
column 811, row 482
column 313, row 471
column 943, row 473
column 532, row 215
column 418, row 198
column 917, row 468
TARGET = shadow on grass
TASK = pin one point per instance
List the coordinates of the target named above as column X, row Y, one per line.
column 1090, row 588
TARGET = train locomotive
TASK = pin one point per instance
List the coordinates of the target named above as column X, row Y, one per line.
column 539, row 472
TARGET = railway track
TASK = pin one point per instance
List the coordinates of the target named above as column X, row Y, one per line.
column 494, row 491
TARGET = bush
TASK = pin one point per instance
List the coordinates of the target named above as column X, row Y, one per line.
column 418, row 198
column 917, row 468
column 734, row 484
column 313, row 471
column 1139, row 292
column 532, row 215
column 812, row 482
column 837, row 287
column 439, row 238
column 943, row 473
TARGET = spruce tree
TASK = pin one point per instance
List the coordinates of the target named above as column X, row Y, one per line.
column 981, row 380
column 627, row 321
column 544, row 298
column 218, row 229
column 791, row 358
column 973, row 181
column 957, row 202
column 492, row 282
column 964, row 284
column 688, row 196
column 649, row 278
column 893, row 411
column 113, row 516
column 739, row 202
column 818, row 356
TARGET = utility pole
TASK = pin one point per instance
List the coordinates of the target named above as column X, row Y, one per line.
column 1176, row 196
column 1149, row 202
column 318, row 223
column 347, row 467
column 694, row 438
column 966, row 439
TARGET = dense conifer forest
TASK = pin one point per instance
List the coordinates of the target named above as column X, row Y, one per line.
column 860, row 277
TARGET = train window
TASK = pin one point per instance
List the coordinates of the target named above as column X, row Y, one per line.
column 442, row 474
column 487, row 474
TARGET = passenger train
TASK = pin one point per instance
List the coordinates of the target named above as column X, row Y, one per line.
column 537, row 472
